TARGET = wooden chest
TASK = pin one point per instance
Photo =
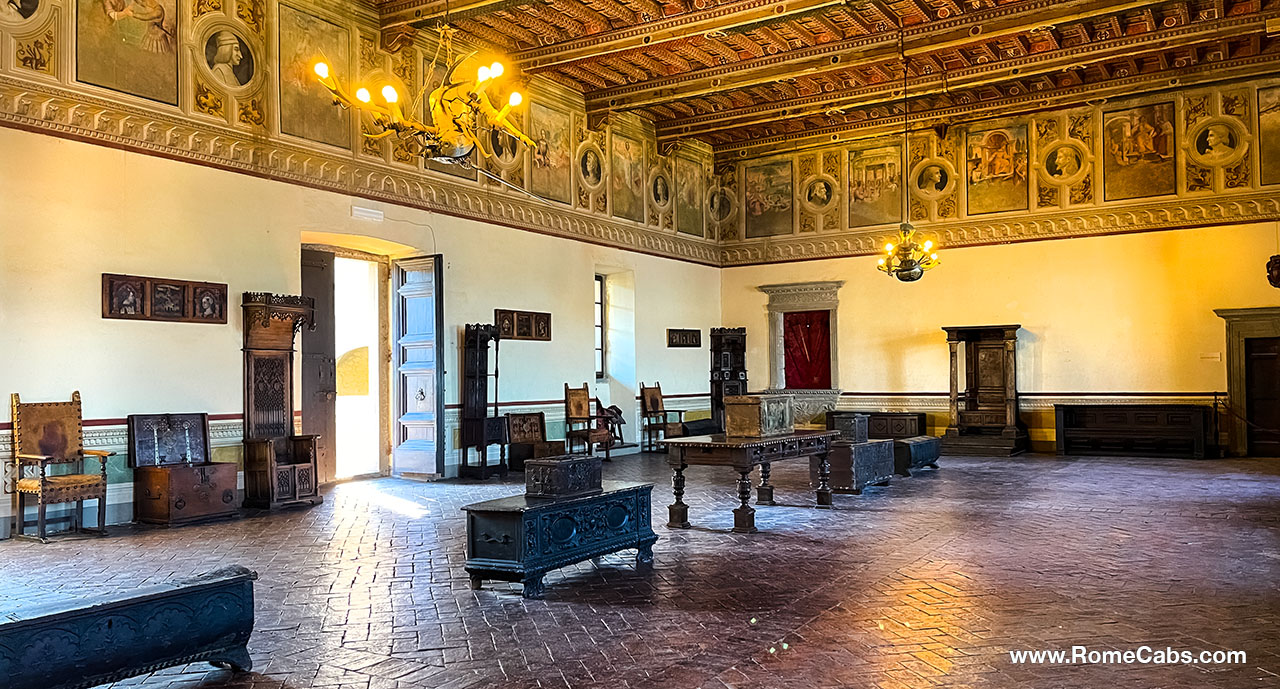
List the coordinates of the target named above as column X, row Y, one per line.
column 521, row 538
column 561, row 477
column 895, row 424
column 174, row 495
column 173, row 480
column 758, row 416
column 855, row 466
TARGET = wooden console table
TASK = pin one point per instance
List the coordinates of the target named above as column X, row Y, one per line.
column 743, row 454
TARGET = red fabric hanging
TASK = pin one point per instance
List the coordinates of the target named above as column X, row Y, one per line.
column 807, row 343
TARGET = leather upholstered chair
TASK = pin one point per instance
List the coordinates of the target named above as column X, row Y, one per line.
column 48, row 436
column 580, row 425
column 657, row 418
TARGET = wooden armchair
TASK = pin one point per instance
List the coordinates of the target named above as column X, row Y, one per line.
column 527, row 436
column 656, row 417
column 580, row 425
column 46, row 434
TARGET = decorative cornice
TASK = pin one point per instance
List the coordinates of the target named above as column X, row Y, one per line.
column 816, row 294
column 1259, row 206
column 54, row 110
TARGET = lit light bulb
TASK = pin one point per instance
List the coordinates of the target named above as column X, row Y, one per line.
column 482, row 75
column 389, row 94
column 928, row 244
column 516, row 99
column 888, row 248
column 882, row 261
column 933, row 256
column 495, row 70
column 322, row 70
column 362, row 94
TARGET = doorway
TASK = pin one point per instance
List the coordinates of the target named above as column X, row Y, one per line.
column 1262, row 395
column 344, row 361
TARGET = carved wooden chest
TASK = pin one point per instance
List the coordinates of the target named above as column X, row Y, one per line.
column 852, row 425
column 560, row 477
column 521, row 538
column 757, row 416
column 916, row 453
column 855, row 466
column 173, row 480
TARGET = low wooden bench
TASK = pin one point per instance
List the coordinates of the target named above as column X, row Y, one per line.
column 75, row 643
column 1149, row 430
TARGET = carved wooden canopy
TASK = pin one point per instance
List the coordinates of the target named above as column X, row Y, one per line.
column 755, row 76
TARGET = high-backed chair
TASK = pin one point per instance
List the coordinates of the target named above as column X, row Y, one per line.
column 45, row 435
column 656, row 417
column 580, row 425
column 528, row 439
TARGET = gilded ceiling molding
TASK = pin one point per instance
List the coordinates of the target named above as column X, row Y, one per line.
column 1258, row 206
column 64, row 113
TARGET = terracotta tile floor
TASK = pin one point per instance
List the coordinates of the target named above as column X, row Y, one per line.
column 926, row 583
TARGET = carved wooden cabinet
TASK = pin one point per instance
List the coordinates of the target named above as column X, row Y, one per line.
column 173, row 480
column 728, row 368
column 984, row 414
column 279, row 467
column 479, row 430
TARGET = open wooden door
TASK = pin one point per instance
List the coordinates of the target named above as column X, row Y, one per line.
column 319, row 382
column 419, row 384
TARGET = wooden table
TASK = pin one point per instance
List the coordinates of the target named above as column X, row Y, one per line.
column 743, row 454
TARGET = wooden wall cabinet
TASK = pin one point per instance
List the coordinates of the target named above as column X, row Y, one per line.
column 279, row 467
column 728, row 368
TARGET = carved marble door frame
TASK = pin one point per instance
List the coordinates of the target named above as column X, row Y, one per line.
column 800, row 296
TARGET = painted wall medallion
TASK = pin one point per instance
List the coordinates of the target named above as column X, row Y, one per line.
column 15, row 11
column 552, row 157
column 1065, row 163
column 719, row 204
column 589, row 167
column 129, row 46
column 1217, row 141
column 997, row 169
column 504, row 147
column 660, row 190
column 1137, row 156
column 933, row 179
column 768, row 196
column 229, row 59
column 306, row 108
column 874, row 186
column 689, row 190
column 627, row 173
column 1269, row 134
column 820, row 194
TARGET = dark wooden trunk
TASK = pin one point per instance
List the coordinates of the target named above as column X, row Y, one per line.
column 174, row 495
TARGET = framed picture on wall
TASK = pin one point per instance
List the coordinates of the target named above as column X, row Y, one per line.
column 681, row 337
column 124, row 296
column 133, row 297
column 168, row 300
column 522, row 325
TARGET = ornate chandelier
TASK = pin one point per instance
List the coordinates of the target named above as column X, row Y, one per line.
column 456, row 110
column 908, row 260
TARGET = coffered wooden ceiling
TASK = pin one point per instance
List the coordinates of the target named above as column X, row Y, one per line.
column 753, row 76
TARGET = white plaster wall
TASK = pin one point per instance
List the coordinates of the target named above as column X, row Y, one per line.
column 1123, row 313
column 71, row 211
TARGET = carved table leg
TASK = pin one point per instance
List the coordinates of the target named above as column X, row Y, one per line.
column 533, row 587
column 824, row 482
column 764, row 492
column 644, row 558
column 678, row 512
column 744, row 518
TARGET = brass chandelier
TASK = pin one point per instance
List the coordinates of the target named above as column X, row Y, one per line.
column 908, row 259
column 456, row 110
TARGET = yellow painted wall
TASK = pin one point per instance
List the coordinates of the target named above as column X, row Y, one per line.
column 70, row 212
column 1123, row 313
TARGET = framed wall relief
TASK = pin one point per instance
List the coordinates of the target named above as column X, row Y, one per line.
column 522, row 325
column 875, row 192
column 306, row 107
column 997, row 169
column 681, row 337
column 768, row 199
column 552, row 157
column 130, row 47
column 131, row 297
column 1137, row 152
